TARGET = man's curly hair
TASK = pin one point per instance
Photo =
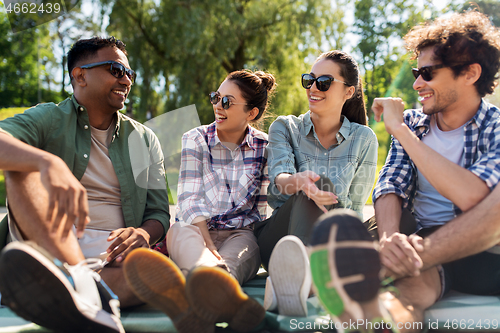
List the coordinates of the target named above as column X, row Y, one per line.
column 461, row 40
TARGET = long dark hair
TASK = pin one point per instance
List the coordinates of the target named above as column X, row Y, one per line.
column 354, row 108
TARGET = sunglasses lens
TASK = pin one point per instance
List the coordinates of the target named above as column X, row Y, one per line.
column 214, row 98
column 323, row 83
column 426, row 74
column 307, row 80
column 225, row 103
column 415, row 73
column 117, row 70
column 131, row 75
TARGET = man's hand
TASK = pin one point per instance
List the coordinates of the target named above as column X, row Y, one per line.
column 306, row 183
column 399, row 257
column 67, row 197
column 393, row 109
column 125, row 240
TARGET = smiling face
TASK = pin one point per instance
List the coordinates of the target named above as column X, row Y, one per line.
column 332, row 100
column 442, row 93
column 232, row 123
column 103, row 91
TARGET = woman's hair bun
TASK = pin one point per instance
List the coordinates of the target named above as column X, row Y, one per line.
column 268, row 80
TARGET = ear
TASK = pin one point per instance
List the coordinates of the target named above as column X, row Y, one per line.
column 78, row 76
column 473, row 73
column 252, row 114
column 349, row 92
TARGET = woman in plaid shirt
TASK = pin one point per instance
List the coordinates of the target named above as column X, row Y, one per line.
column 221, row 194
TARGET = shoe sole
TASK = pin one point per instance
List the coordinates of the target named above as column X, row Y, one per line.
column 217, row 297
column 345, row 267
column 36, row 290
column 157, row 280
column 289, row 288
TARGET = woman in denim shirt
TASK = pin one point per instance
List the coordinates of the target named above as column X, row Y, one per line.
column 323, row 159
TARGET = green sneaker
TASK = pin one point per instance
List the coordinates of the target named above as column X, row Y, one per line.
column 345, row 264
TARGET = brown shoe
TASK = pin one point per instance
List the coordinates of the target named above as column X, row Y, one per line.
column 157, row 280
column 217, row 297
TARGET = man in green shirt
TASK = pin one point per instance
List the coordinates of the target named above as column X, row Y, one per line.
column 83, row 181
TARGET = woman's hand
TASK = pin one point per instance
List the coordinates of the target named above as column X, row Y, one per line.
column 202, row 225
column 305, row 181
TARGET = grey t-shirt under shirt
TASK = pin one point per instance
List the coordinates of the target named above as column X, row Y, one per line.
column 431, row 208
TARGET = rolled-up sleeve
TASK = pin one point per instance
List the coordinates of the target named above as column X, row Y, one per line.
column 281, row 158
column 487, row 166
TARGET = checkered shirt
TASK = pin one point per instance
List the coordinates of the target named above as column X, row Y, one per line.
column 481, row 154
column 227, row 187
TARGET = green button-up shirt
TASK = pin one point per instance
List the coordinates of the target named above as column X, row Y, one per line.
column 135, row 152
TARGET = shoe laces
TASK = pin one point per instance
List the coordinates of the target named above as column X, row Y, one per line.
column 91, row 265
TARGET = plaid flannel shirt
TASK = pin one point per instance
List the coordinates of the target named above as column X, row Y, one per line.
column 229, row 188
column 481, row 154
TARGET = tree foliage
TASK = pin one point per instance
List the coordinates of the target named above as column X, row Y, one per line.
column 491, row 8
column 187, row 47
column 381, row 25
column 23, row 65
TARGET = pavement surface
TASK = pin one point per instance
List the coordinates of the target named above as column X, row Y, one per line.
column 367, row 212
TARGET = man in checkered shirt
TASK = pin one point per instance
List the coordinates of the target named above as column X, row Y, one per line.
column 444, row 161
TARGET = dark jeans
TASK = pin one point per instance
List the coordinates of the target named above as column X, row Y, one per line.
column 407, row 224
column 295, row 217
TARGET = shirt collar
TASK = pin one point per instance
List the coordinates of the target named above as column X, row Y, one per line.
column 424, row 121
column 82, row 109
column 345, row 129
column 481, row 117
column 213, row 138
column 343, row 133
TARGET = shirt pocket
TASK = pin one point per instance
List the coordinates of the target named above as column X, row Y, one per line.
column 342, row 176
column 214, row 184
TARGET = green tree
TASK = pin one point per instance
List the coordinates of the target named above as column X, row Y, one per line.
column 186, row 48
column 64, row 31
column 488, row 7
column 23, row 69
column 381, row 26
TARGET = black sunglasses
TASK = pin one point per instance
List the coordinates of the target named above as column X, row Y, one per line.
column 116, row 69
column 426, row 71
column 215, row 97
column 323, row 82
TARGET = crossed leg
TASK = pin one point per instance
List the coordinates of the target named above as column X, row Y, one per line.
column 28, row 204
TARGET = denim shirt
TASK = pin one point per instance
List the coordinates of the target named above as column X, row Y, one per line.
column 350, row 164
column 135, row 152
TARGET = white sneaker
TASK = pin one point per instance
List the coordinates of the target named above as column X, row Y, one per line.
column 289, row 281
column 270, row 300
column 58, row 296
